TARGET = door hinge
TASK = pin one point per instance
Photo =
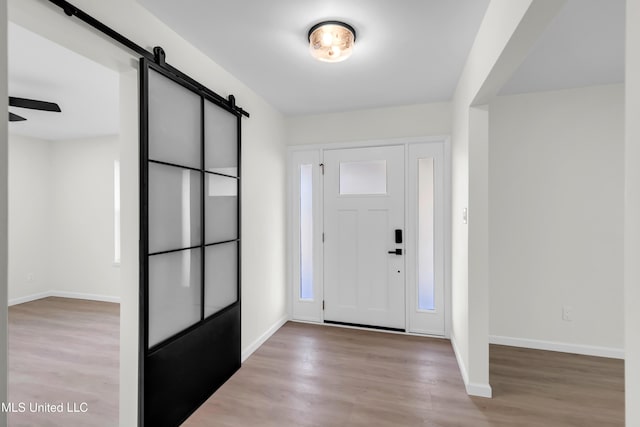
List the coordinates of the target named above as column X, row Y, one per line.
column 323, row 304
column 322, row 237
column 322, row 167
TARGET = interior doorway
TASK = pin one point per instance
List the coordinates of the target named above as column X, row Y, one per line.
column 370, row 235
column 67, row 283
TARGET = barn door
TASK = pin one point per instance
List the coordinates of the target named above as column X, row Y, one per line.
column 190, row 246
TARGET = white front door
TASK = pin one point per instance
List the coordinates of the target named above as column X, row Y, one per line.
column 364, row 269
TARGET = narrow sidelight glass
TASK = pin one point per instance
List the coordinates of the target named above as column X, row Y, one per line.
column 306, row 232
column 426, row 247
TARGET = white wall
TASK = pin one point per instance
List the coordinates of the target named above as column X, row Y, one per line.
column 556, row 218
column 61, row 218
column 263, row 157
column 82, row 217
column 499, row 24
column 507, row 32
column 372, row 124
column 478, row 257
column 263, row 189
column 632, row 216
column 30, row 200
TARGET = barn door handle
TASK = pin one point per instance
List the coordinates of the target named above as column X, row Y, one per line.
column 396, row 252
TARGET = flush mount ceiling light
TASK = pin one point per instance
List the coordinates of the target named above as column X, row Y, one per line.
column 331, row 41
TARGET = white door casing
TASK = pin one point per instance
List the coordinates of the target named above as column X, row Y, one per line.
column 426, row 235
column 364, row 284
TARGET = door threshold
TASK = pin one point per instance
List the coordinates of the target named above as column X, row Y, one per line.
column 358, row 325
column 332, row 324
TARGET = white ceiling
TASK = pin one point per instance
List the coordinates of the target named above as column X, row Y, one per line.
column 87, row 92
column 407, row 52
column 407, row 55
column 583, row 46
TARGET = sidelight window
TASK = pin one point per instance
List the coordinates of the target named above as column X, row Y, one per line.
column 306, row 232
column 426, row 272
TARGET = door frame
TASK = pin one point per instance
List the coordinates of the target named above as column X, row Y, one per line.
column 294, row 153
column 85, row 41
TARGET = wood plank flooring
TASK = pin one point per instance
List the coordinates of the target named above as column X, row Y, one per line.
column 64, row 351
column 308, row 375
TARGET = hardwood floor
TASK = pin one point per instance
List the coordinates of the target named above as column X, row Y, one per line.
column 307, row 375
column 64, row 351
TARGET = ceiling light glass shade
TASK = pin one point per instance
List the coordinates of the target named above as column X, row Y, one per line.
column 331, row 41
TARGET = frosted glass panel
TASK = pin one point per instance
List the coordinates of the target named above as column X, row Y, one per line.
column 174, row 293
column 221, row 277
column 221, row 208
column 221, row 140
column 426, row 272
column 368, row 177
column 174, row 122
column 306, row 232
column 174, row 208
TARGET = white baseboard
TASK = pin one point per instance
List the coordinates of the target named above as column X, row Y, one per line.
column 461, row 365
column 28, row 298
column 79, row 295
column 480, row 390
column 473, row 389
column 63, row 294
column 264, row 337
column 587, row 350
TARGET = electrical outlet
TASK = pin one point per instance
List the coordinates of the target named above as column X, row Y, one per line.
column 567, row 313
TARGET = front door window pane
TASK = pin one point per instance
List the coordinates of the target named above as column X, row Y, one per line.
column 368, row 177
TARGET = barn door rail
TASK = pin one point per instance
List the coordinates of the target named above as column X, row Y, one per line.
column 157, row 56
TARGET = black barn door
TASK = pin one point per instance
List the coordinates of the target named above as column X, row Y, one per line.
column 190, row 246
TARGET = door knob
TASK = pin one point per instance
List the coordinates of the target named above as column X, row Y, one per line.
column 396, row 252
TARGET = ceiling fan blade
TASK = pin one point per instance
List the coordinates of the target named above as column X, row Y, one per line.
column 16, row 118
column 33, row 104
